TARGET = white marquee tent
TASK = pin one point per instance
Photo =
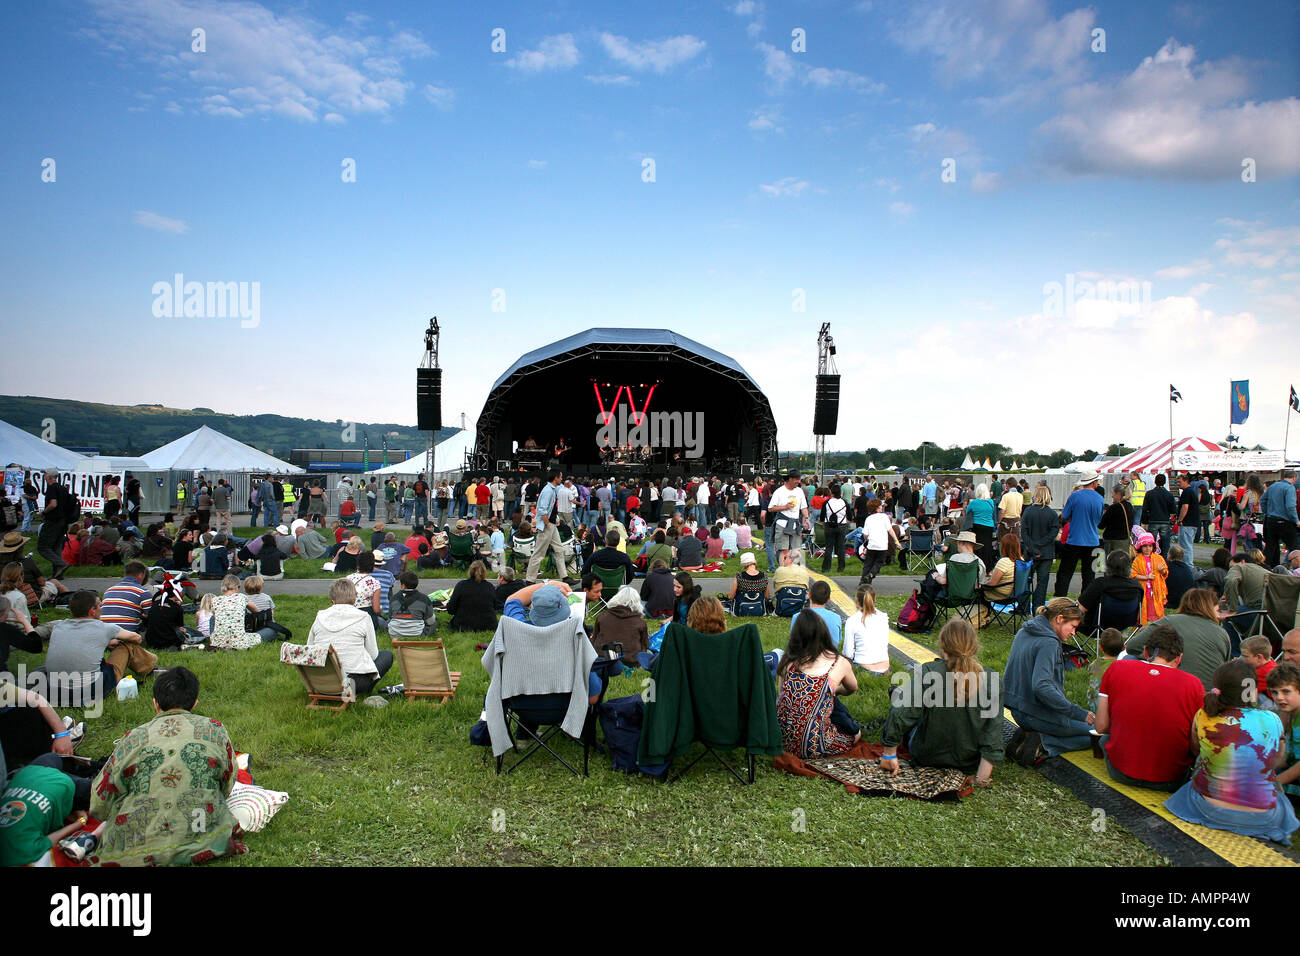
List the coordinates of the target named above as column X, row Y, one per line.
column 25, row 449
column 206, row 449
column 449, row 455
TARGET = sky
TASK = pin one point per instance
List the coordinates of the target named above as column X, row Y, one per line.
column 1023, row 220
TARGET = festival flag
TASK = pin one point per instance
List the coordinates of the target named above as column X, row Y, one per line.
column 1295, row 399
column 1175, row 396
column 1240, row 401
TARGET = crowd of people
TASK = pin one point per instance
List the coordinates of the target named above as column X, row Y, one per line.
column 602, row 537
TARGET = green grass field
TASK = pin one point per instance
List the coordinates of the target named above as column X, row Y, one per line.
column 402, row 785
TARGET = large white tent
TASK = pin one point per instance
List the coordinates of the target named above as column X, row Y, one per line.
column 25, row 449
column 206, row 449
column 449, row 455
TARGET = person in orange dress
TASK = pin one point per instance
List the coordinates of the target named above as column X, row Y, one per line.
column 1151, row 571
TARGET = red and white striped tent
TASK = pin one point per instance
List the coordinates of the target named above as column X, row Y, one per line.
column 1158, row 456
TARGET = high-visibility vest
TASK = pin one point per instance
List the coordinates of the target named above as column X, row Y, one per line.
column 1139, row 492
column 288, row 493
column 180, row 492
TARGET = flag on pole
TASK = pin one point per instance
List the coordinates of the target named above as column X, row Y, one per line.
column 1175, row 395
column 1240, row 401
column 1295, row 399
column 365, row 453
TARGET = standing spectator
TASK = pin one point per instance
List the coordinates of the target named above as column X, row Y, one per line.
column 221, row 505
column 982, row 514
column 877, row 533
column 1010, row 508
column 55, row 518
column 1280, row 522
column 483, row 501
column 1040, row 526
column 835, row 522
column 420, row 492
column 1158, row 510
column 1137, row 496
column 1117, row 523
column 547, row 536
column 266, row 496
column 203, row 508
column 789, row 506
column 1151, row 571
column 1083, row 514
column 1189, row 518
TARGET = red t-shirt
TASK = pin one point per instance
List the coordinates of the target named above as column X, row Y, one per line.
column 1151, row 708
column 1261, row 677
column 348, row 508
column 482, row 494
column 633, row 502
column 340, row 533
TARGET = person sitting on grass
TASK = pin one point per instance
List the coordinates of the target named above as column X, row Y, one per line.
column 1284, row 688
column 960, row 726
column 411, row 613
column 351, row 632
column 31, row 728
column 162, row 794
column 866, row 634
column 1234, row 783
column 1034, row 687
column 345, row 562
column 471, row 602
column 310, row 544
column 77, row 648
column 507, row 584
column 43, row 805
column 730, row 540
column 1145, row 708
column 707, row 616
column 819, row 594
column 228, row 610
column 623, row 622
column 749, row 584
column 686, row 592
column 264, row 604
column 1181, row 576
column 1110, row 644
column 813, row 721
column 690, row 553
column 657, row 591
column 368, row 587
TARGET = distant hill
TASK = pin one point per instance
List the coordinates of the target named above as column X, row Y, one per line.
column 135, row 429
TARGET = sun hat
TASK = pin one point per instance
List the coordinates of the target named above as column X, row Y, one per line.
column 1087, row 478
column 379, row 556
column 549, row 606
column 282, row 529
column 298, row 523
column 966, row 537
column 460, row 524
column 747, row 557
column 13, row 541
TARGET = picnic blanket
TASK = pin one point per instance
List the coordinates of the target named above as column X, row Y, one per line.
column 858, row 769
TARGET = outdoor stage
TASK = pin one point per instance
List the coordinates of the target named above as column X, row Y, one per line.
column 643, row 402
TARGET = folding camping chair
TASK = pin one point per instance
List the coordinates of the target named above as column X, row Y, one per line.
column 1282, row 602
column 521, row 549
column 425, row 670
column 460, row 547
column 546, row 711
column 963, row 582
column 612, row 579
column 817, row 546
column 1016, row 610
column 676, row 718
column 322, row 675
column 1124, row 616
column 920, row 546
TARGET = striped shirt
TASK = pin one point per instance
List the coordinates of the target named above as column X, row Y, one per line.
column 125, row 605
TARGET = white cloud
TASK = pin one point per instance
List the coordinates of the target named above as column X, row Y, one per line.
column 657, row 55
column 537, row 164
column 901, row 210
column 1184, row 271
column 1173, row 119
column 440, row 96
column 745, row 8
column 263, row 62
column 781, row 68
column 888, row 184
column 1200, row 289
column 766, row 120
column 1001, row 40
column 983, row 182
column 151, row 220
column 1261, row 248
column 610, row 79
column 789, row 186
column 553, row 53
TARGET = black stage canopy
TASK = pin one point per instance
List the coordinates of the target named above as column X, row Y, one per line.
column 645, row 399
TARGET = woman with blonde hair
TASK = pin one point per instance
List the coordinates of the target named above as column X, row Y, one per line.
column 228, row 611
column 982, row 517
column 866, row 634
column 950, row 713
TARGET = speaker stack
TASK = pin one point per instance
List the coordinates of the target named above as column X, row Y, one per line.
column 826, row 412
column 428, row 399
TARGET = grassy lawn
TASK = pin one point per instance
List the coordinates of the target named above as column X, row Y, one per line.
column 402, row 785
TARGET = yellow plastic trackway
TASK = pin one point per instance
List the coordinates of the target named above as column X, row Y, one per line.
column 1232, row 847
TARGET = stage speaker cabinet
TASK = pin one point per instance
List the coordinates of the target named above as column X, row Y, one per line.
column 428, row 399
column 826, row 413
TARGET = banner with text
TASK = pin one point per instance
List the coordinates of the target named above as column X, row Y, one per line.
column 1228, row 461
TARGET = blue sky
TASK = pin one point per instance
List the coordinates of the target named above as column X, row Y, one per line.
column 776, row 170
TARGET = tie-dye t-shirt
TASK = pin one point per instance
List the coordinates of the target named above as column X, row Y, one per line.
column 1237, row 752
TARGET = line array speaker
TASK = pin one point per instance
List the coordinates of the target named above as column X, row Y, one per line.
column 428, row 399
column 826, row 413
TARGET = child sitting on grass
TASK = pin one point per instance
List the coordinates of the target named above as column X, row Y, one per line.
column 1257, row 651
column 203, row 619
column 1284, row 687
column 1112, row 644
column 253, row 588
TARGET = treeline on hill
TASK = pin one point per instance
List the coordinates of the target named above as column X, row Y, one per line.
column 134, row 429
column 948, row 459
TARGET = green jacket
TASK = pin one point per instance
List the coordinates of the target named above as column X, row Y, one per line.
column 946, row 736
column 714, row 688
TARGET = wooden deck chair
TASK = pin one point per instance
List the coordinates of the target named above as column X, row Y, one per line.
column 425, row 670
column 321, row 674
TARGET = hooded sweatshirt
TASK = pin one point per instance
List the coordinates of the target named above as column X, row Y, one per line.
column 1033, row 680
column 351, row 632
